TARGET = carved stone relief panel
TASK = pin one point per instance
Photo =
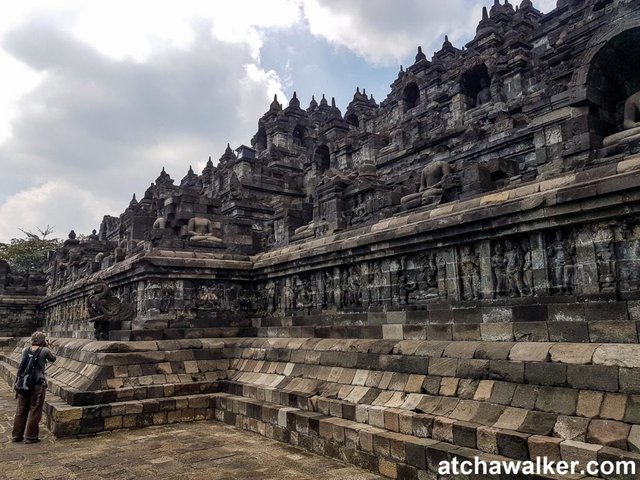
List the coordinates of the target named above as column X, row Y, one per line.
column 469, row 272
column 511, row 265
column 561, row 261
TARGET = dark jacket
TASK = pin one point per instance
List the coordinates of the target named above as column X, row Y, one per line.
column 44, row 356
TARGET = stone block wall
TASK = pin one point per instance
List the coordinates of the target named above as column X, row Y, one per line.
column 19, row 315
column 551, row 260
column 391, row 406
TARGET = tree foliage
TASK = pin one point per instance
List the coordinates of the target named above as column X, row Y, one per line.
column 30, row 251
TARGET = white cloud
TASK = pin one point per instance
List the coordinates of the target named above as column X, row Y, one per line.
column 17, row 80
column 109, row 125
column 122, row 29
column 384, row 32
column 32, row 209
column 545, row 5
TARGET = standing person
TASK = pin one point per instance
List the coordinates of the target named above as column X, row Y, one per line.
column 29, row 410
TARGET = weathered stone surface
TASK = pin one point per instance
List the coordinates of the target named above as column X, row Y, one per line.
column 541, row 446
column 506, row 370
column 589, row 403
column 525, row 396
column 512, row 419
column 629, row 380
column 530, row 352
column 608, row 433
column 632, row 412
column 540, row 373
column 618, row 355
column 613, row 406
column 512, row 444
column 612, row 332
column 593, row 377
column 580, row 354
column 574, row 451
column 571, row 428
column 486, row 439
column 557, row 400
column 634, row 438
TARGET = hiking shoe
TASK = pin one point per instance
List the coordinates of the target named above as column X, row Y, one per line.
column 17, row 439
column 34, row 440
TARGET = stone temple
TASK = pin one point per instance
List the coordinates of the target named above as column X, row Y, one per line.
column 451, row 272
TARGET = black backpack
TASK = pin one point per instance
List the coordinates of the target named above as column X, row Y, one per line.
column 29, row 372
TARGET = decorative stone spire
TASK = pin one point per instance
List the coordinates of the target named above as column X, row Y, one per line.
column 294, row 102
column 526, row 4
column 495, row 9
column 275, row 106
column 227, row 156
column 164, row 180
column 323, row 101
column 133, row 203
column 360, row 96
column 190, row 179
column 508, row 8
column 486, row 24
column 420, row 56
column 447, row 50
column 208, row 173
column 313, row 104
column 149, row 191
column 208, row 169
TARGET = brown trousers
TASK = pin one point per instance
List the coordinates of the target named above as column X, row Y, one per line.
column 28, row 414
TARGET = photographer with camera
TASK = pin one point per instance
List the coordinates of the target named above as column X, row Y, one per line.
column 31, row 387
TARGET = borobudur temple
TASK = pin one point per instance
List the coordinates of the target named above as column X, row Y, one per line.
column 451, row 272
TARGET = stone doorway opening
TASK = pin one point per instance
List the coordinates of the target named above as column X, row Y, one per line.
column 322, row 158
column 613, row 77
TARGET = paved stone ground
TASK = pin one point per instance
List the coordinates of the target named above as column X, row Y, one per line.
column 199, row 450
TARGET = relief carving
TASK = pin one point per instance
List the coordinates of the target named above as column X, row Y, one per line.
column 561, row 256
column 470, row 271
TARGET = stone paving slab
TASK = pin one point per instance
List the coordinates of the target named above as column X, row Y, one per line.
column 199, row 450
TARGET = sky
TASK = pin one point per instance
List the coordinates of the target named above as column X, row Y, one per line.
column 97, row 96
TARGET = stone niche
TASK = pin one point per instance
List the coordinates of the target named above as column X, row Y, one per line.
column 614, row 76
column 487, row 176
column 475, row 87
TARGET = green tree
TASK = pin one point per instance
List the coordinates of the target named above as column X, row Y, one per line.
column 30, row 251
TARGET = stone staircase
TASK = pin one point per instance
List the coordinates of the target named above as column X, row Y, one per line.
column 397, row 407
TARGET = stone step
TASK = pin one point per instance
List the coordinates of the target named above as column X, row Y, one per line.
column 451, row 423
column 477, row 395
column 596, row 331
column 181, row 333
column 176, row 403
column 501, row 310
column 401, row 453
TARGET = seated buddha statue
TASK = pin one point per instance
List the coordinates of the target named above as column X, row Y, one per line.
column 431, row 189
column 630, row 125
column 200, row 231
